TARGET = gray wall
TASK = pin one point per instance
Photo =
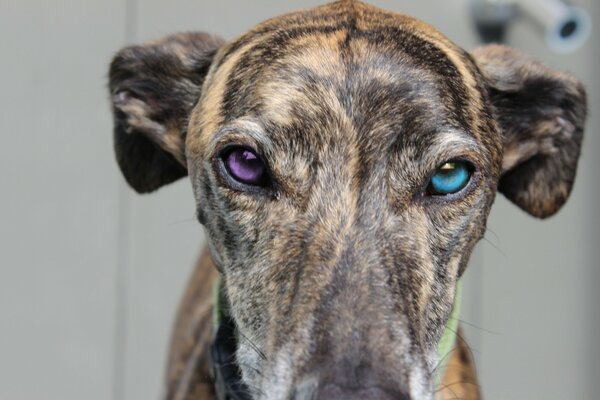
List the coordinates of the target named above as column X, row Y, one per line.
column 90, row 274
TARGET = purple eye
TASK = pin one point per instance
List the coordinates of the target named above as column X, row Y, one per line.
column 245, row 166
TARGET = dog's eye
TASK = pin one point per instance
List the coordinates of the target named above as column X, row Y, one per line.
column 245, row 166
column 450, row 178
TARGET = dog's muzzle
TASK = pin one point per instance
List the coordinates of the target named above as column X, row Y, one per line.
column 229, row 385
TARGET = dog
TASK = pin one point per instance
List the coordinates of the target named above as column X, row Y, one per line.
column 344, row 160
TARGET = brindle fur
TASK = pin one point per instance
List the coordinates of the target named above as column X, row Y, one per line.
column 342, row 272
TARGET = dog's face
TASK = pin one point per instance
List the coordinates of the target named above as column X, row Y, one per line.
column 344, row 161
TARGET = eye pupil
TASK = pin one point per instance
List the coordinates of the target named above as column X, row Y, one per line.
column 450, row 178
column 245, row 166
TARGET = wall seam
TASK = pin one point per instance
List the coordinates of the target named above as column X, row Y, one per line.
column 124, row 253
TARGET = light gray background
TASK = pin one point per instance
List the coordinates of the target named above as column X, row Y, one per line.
column 90, row 274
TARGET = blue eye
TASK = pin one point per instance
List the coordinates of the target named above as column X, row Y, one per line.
column 450, row 178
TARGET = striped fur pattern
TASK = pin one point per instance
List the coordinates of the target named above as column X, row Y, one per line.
column 341, row 273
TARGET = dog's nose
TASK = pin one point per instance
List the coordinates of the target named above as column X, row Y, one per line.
column 332, row 391
column 312, row 389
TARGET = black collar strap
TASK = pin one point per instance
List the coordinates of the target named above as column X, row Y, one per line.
column 222, row 362
column 224, row 370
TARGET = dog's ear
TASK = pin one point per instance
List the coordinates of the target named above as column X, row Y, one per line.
column 153, row 89
column 541, row 113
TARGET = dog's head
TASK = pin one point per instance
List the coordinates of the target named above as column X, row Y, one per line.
column 344, row 161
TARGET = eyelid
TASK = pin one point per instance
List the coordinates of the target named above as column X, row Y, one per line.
column 446, row 166
column 232, row 142
column 452, row 146
column 228, row 146
column 242, row 132
column 451, row 157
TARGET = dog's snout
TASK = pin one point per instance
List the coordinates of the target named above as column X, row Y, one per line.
column 316, row 387
column 312, row 389
column 332, row 391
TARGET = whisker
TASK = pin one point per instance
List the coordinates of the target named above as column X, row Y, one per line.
column 237, row 364
column 441, row 360
column 493, row 233
column 447, row 386
column 502, row 253
column 462, row 321
column 453, row 393
column 253, row 346
column 255, row 391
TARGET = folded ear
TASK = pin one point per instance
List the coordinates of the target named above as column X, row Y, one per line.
column 153, row 89
column 541, row 113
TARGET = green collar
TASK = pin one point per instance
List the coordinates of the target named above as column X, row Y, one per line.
column 445, row 345
column 448, row 339
column 219, row 303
